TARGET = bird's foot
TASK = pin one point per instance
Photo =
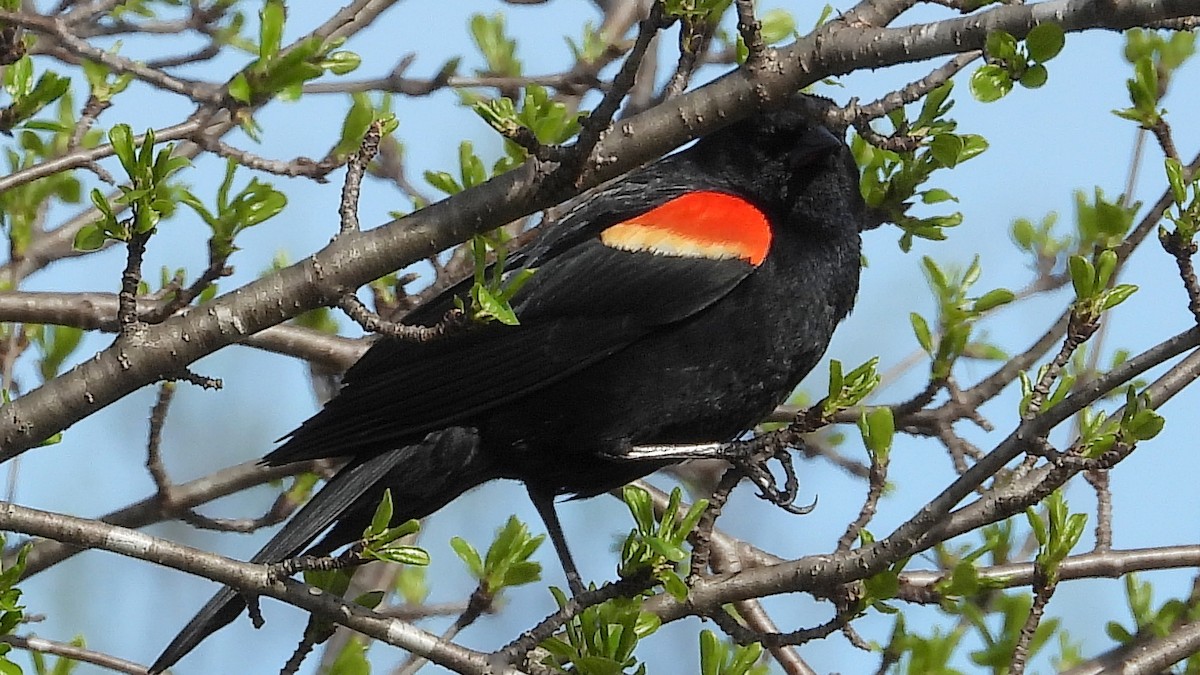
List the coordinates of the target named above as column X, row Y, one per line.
column 755, row 467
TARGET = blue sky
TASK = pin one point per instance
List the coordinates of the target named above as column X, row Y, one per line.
column 1044, row 145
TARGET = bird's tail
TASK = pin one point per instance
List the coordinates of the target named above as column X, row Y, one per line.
column 422, row 477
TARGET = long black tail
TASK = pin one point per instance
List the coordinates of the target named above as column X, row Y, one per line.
column 423, row 478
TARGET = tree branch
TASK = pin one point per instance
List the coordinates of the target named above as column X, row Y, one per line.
column 253, row 579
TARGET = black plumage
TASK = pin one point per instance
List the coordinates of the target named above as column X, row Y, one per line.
column 616, row 348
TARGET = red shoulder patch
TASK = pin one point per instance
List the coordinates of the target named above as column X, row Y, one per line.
column 697, row 225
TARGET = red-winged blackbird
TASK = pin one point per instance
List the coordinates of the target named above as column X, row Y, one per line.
column 676, row 306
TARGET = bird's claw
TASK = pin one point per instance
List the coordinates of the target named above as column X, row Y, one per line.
column 754, row 466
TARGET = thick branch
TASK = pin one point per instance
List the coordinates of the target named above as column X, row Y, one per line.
column 919, row 586
column 98, row 311
column 254, row 579
column 191, row 494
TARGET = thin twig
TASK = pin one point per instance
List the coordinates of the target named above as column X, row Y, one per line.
column 154, row 463
column 744, row 635
column 127, row 315
column 72, row 652
column 298, row 167
column 695, row 38
column 701, row 536
column 751, row 31
column 877, row 481
column 357, row 166
column 1098, row 479
column 592, row 129
column 1043, row 589
column 372, row 322
column 1183, row 251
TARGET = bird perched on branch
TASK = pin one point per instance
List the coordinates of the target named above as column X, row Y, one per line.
column 678, row 305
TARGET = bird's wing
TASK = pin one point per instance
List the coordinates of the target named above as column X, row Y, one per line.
column 585, row 301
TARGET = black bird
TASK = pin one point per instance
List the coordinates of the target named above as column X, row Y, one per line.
column 678, row 305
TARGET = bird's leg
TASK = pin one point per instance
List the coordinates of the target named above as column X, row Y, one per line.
column 673, row 452
column 544, row 503
column 749, row 456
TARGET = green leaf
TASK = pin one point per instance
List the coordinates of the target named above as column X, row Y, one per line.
column 921, row 329
column 675, row 587
column 973, row 145
column 711, row 653
column 1083, row 276
column 946, row 149
column 493, row 307
column 383, row 515
column 1117, row 632
column 515, row 281
column 354, row 127
column 880, row 429
column 102, row 205
column 404, row 555
column 1039, row 527
column 937, row 278
column 1044, row 42
column 352, row 660
column 90, row 238
column 497, row 48
column 1146, row 425
column 470, row 166
column 990, row 83
column 443, row 181
column 1106, row 264
column 390, row 534
column 937, row 196
column 270, row 32
column 469, row 555
column 935, row 105
column 666, row 549
column 1000, row 45
column 521, row 573
column 239, row 89
column 264, row 204
column 18, row 77
column 692, row 517
column 971, row 276
column 640, row 506
column 145, row 152
column 121, row 138
column 993, row 299
column 1175, row 178
column 1035, row 77
column 777, row 25
column 342, row 62
column 836, row 379
column 1115, row 296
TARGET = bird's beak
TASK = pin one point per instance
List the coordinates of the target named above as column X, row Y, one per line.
column 815, row 144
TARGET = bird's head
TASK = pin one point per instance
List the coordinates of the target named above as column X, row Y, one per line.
column 791, row 164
